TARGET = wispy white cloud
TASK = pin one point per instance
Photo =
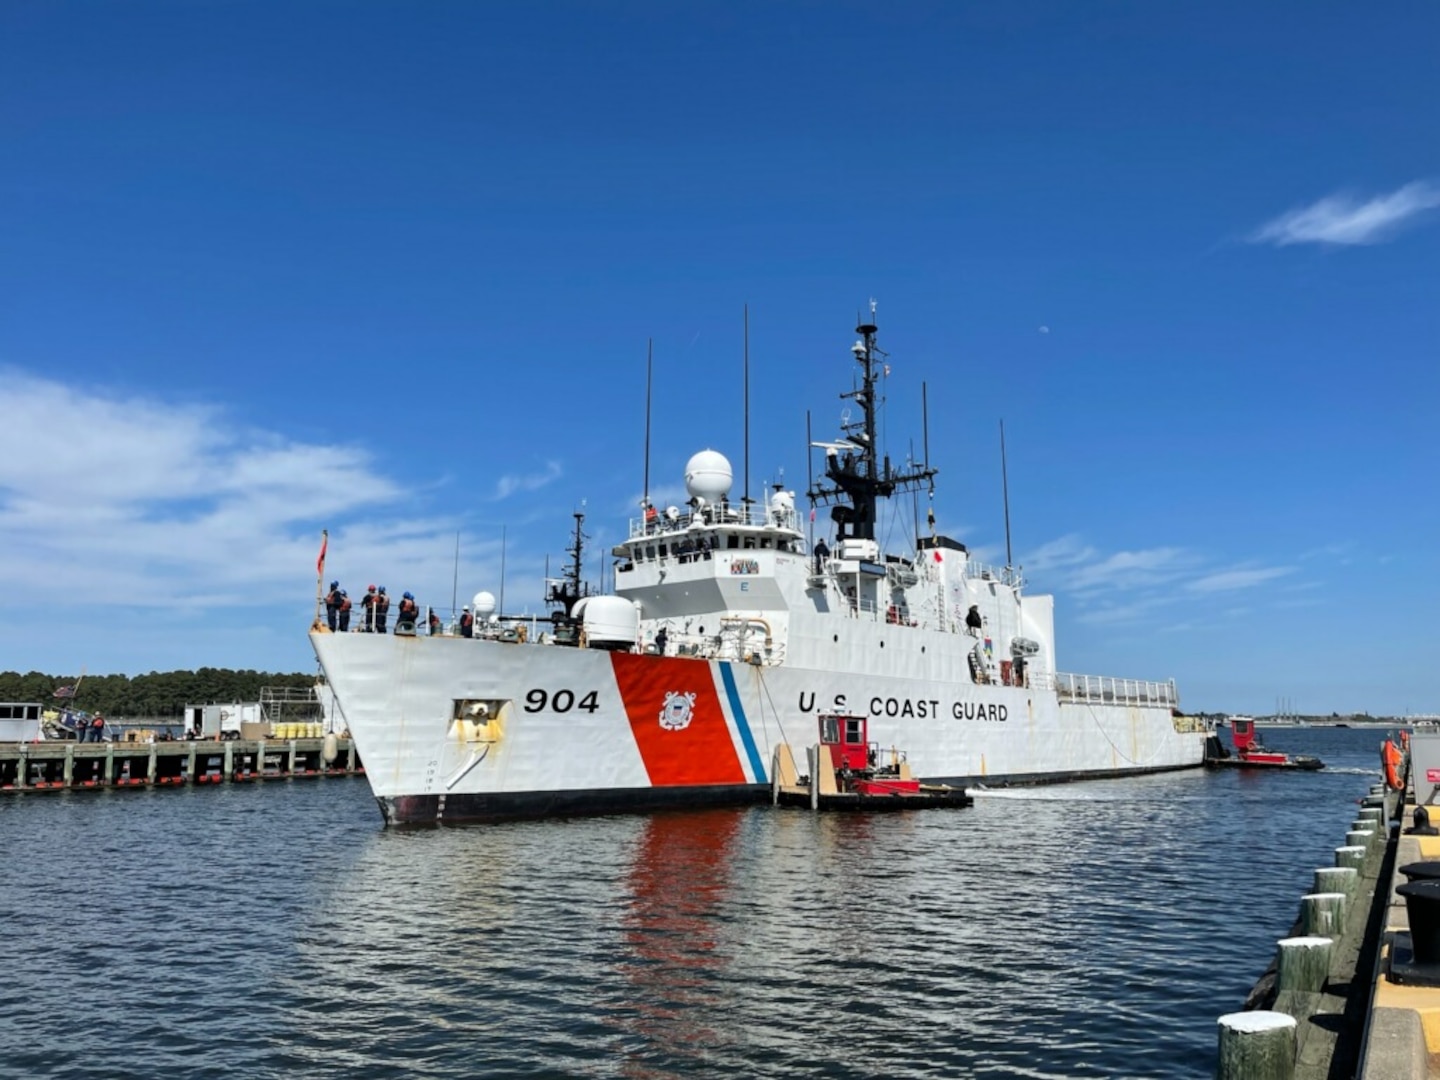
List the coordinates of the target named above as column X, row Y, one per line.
column 1081, row 567
column 1344, row 219
column 510, row 483
column 120, row 499
column 1238, row 578
column 1132, row 587
column 1066, row 551
column 1341, row 552
column 1134, row 569
column 1114, row 614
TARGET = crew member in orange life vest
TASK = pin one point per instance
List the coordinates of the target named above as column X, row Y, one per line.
column 409, row 613
column 467, row 623
column 382, row 611
column 367, row 620
column 332, row 604
column 435, row 630
column 344, row 612
column 650, row 516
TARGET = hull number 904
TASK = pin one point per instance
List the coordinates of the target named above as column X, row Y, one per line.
column 561, row 701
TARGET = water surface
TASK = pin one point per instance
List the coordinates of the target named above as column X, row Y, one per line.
column 1085, row 930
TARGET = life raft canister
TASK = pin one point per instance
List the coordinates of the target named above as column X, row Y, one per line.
column 1390, row 757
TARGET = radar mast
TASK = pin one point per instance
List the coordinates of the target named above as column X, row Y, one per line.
column 858, row 476
column 569, row 590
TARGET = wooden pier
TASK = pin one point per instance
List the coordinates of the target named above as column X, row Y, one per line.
column 72, row 766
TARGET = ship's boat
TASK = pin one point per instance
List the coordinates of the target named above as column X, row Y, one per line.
column 1250, row 753
column 731, row 628
column 847, row 771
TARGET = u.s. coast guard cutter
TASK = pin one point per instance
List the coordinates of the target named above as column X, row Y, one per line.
column 727, row 634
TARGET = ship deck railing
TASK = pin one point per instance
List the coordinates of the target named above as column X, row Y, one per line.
column 1104, row 690
column 676, row 520
column 1012, row 576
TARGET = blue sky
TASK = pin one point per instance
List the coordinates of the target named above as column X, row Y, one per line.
column 391, row 269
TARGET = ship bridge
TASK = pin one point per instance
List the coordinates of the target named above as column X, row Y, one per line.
column 718, row 558
column 711, row 574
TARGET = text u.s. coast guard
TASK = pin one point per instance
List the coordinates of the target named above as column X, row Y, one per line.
column 918, row 708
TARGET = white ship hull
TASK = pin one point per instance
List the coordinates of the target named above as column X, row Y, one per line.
column 452, row 729
column 730, row 629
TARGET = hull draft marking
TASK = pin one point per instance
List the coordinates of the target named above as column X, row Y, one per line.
column 699, row 752
column 757, row 767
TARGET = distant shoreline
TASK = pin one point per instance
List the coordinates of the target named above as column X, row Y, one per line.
column 1373, row 722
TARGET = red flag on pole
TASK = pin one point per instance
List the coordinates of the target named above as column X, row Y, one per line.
column 324, row 543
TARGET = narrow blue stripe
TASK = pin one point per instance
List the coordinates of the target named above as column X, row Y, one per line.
column 751, row 750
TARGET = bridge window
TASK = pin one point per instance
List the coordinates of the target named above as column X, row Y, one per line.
column 829, row 729
column 853, row 732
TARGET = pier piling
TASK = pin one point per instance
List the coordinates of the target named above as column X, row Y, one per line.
column 1337, row 879
column 1303, row 963
column 70, row 766
column 1353, row 857
column 1257, row 1045
column 1323, row 914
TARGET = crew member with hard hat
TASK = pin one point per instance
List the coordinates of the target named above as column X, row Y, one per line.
column 409, row 614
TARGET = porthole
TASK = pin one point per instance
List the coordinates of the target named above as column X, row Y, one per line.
column 836, row 639
column 882, row 644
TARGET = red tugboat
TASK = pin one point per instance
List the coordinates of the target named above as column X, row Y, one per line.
column 1250, row 754
column 849, row 772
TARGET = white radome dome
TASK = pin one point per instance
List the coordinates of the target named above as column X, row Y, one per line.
column 708, row 476
column 483, row 604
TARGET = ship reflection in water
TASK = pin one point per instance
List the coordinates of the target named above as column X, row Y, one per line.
column 678, row 932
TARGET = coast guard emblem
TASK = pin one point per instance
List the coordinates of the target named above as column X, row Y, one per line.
column 675, row 715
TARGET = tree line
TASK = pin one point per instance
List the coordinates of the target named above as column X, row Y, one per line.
column 158, row 694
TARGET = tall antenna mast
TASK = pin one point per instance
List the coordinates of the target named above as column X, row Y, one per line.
column 502, row 569
column 810, row 476
column 455, row 581
column 858, row 479
column 1005, row 488
column 746, row 499
column 570, row 589
column 915, row 497
column 925, row 429
column 649, row 362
